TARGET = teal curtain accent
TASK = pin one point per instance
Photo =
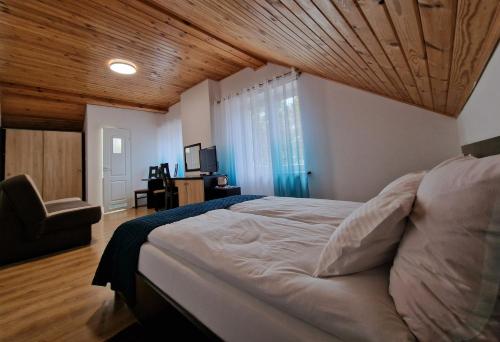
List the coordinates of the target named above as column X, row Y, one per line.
column 227, row 164
column 180, row 163
column 222, row 132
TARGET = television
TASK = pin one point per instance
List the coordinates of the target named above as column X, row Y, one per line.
column 208, row 160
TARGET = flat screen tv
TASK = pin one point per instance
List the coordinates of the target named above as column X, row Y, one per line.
column 208, row 160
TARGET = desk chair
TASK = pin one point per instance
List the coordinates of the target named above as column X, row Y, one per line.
column 153, row 172
column 145, row 193
column 164, row 171
column 171, row 191
column 156, row 194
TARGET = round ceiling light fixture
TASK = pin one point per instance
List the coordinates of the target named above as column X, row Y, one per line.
column 122, row 66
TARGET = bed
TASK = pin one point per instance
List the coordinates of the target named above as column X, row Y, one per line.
column 260, row 266
column 241, row 269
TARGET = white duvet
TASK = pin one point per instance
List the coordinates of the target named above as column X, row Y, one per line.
column 273, row 259
column 307, row 210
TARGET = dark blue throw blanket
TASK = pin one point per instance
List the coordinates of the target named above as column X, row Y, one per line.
column 120, row 258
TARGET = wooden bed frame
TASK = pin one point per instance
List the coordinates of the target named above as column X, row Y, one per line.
column 153, row 306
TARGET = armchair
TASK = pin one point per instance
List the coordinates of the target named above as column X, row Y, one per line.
column 30, row 227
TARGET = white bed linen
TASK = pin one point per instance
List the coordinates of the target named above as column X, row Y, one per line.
column 307, row 210
column 232, row 314
column 273, row 259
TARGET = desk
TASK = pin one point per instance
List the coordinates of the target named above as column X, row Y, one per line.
column 191, row 190
column 194, row 189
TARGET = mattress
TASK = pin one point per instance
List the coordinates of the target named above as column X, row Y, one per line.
column 232, row 314
column 273, row 259
column 307, row 210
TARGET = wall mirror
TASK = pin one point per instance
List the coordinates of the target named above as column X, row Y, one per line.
column 192, row 157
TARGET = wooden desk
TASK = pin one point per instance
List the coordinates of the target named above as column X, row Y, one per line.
column 191, row 190
column 196, row 189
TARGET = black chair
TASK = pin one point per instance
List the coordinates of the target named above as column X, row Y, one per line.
column 164, row 171
column 30, row 227
column 153, row 172
column 171, row 191
column 156, row 194
column 138, row 194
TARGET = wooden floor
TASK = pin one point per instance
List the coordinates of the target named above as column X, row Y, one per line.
column 51, row 299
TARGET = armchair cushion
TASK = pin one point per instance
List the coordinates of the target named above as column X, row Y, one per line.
column 65, row 204
column 70, row 212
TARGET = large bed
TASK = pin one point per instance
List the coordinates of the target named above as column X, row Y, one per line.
column 247, row 276
column 244, row 270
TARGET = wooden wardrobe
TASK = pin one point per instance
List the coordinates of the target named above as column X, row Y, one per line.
column 52, row 158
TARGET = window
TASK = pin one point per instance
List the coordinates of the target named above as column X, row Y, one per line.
column 117, row 145
column 259, row 139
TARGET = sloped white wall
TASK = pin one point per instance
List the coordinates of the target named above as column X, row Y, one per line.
column 248, row 77
column 357, row 142
column 480, row 118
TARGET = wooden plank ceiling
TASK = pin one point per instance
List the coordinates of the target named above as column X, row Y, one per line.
column 429, row 53
column 58, row 51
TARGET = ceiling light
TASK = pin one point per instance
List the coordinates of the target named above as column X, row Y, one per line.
column 122, row 66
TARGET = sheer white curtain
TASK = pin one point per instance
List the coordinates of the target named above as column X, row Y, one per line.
column 243, row 141
column 170, row 148
column 258, row 134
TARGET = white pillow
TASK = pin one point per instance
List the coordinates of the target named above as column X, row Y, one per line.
column 407, row 183
column 368, row 237
column 446, row 274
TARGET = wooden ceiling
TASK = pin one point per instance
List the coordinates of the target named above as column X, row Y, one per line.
column 429, row 53
column 20, row 111
column 59, row 51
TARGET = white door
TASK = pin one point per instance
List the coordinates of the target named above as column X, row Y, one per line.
column 116, row 168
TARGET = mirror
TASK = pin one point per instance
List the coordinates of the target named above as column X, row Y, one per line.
column 192, row 157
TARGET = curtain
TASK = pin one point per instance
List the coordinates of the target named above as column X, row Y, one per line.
column 170, row 148
column 258, row 134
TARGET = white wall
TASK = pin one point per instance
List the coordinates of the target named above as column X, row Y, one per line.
column 143, row 127
column 480, row 118
column 317, row 136
column 248, row 77
column 170, row 145
column 357, row 142
column 195, row 114
column 365, row 140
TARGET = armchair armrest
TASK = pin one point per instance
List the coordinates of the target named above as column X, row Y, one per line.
column 63, row 200
column 71, row 217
